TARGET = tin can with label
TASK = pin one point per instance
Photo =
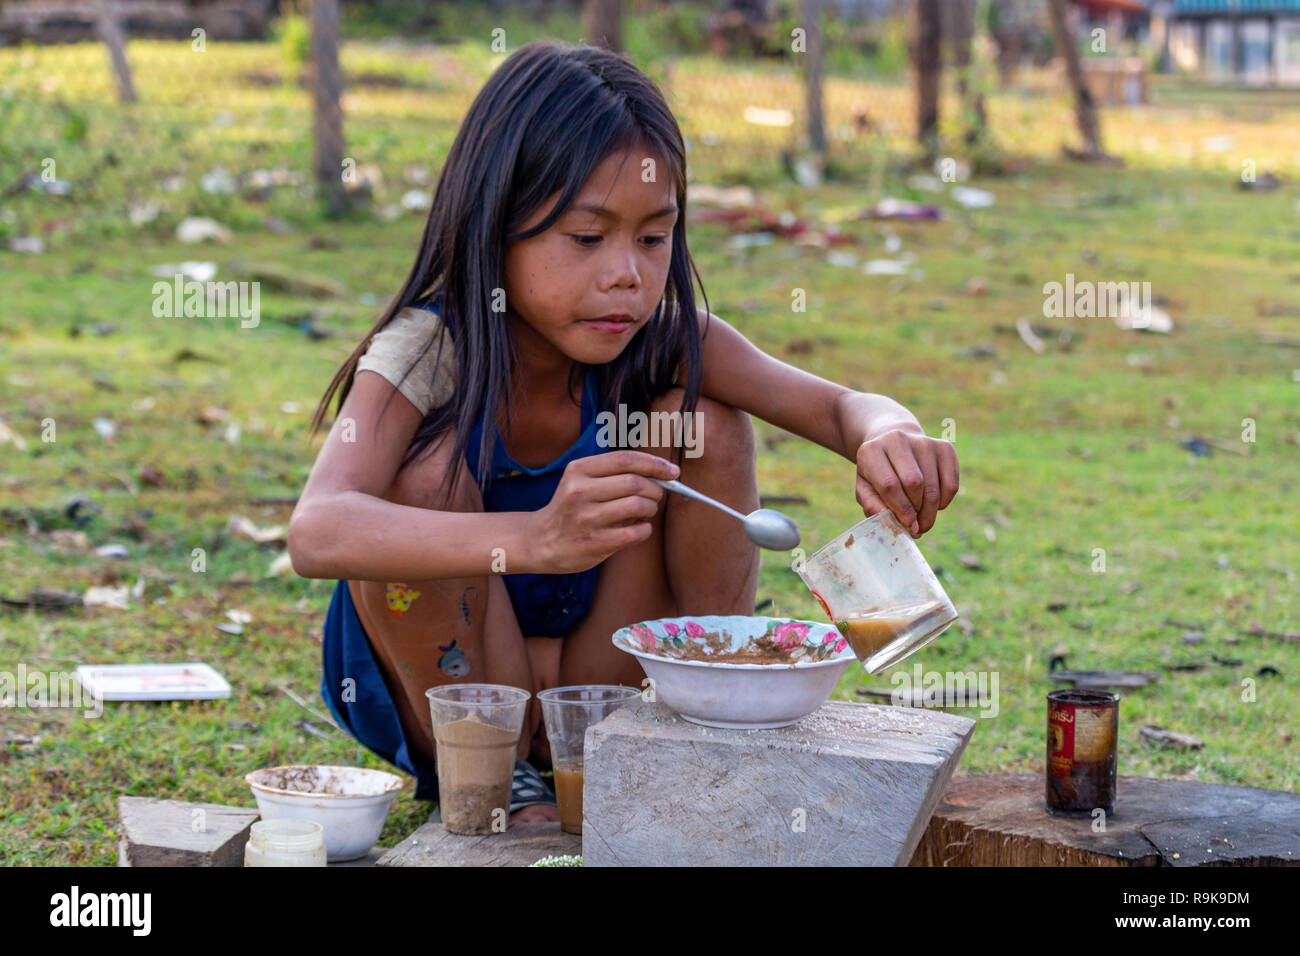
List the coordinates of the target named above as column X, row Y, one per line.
column 1082, row 735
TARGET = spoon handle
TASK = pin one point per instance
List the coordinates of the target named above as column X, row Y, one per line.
column 682, row 489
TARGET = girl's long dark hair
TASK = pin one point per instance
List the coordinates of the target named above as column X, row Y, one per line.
column 545, row 119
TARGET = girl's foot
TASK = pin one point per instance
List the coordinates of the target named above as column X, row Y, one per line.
column 531, row 800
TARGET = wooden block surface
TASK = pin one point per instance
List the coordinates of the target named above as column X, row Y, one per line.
column 522, row 844
column 154, row 832
column 1002, row 820
column 851, row 784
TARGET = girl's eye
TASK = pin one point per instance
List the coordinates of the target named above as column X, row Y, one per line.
column 588, row 241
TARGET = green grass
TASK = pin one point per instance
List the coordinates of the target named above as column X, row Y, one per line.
column 1061, row 453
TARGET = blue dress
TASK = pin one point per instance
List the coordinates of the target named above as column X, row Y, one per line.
column 352, row 684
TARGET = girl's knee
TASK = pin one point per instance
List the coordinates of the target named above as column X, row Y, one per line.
column 716, row 431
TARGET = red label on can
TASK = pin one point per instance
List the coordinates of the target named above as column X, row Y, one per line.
column 1060, row 743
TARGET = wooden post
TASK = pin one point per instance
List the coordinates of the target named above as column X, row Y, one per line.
column 327, row 93
column 602, row 22
column 1085, row 109
column 1008, row 34
column 962, row 24
column 927, row 62
column 814, row 70
column 110, row 31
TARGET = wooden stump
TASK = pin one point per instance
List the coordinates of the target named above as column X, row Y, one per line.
column 1002, row 820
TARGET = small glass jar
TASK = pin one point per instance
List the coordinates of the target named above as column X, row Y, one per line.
column 285, row 842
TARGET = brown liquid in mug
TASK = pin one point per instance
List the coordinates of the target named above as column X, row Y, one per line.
column 568, row 793
column 873, row 631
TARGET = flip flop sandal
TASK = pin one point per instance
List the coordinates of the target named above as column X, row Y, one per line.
column 528, row 787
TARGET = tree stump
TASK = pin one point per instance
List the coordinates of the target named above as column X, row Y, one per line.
column 1002, row 820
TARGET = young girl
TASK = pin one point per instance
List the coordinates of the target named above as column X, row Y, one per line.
column 479, row 523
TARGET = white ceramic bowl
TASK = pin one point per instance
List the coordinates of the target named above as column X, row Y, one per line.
column 351, row 803
column 807, row 661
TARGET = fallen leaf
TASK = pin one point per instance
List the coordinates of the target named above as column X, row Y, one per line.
column 46, row 599
column 1103, row 679
column 281, row 567
column 1170, row 739
column 202, row 229
column 242, row 527
column 67, row 540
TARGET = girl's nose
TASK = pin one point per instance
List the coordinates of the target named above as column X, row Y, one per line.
column 622, row 272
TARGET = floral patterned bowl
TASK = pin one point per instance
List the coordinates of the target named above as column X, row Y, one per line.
column 741, row 672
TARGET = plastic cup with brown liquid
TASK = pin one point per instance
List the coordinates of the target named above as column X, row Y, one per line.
column 476, row 728
column 567, row 713
column 879, row 590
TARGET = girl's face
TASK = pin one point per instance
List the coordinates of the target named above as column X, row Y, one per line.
column 581, row 289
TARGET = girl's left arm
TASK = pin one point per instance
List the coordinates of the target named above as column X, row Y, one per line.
column 899, row 468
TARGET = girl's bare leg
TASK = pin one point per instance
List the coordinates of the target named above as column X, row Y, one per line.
column 451, row 630
column 698, row 560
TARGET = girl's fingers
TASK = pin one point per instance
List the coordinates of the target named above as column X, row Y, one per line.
column 608, row 514
column 874, row 465
column 626, row 462
column 949, row 474
column 930, row 491
column 622, row 486
column 903, row 459
column 867, row 497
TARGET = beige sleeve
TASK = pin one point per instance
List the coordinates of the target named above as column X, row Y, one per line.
column 397, row 347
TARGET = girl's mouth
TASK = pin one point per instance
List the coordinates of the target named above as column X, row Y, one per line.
column 615, row 326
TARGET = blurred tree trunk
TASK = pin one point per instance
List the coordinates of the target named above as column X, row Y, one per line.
column 110, row 31
column 927, row 62
column 961, row 24
column 813, row 73
column 1085, row 109
column 327, row 95
column 602, row 22
column 1006, row 24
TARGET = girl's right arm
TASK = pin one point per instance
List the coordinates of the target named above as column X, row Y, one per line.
column 344, row 528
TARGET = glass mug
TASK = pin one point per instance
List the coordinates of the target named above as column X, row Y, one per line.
column 879, row 590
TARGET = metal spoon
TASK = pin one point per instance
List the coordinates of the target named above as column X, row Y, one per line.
column 765, row 527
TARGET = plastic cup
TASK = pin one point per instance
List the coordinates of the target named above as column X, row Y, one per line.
column 878, row 589
column 567, row 713
column 476, row 728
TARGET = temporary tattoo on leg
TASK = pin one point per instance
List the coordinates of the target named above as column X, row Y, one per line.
column 464, row 605
column 452, row 663
column 406, row 666
column 400, row 597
